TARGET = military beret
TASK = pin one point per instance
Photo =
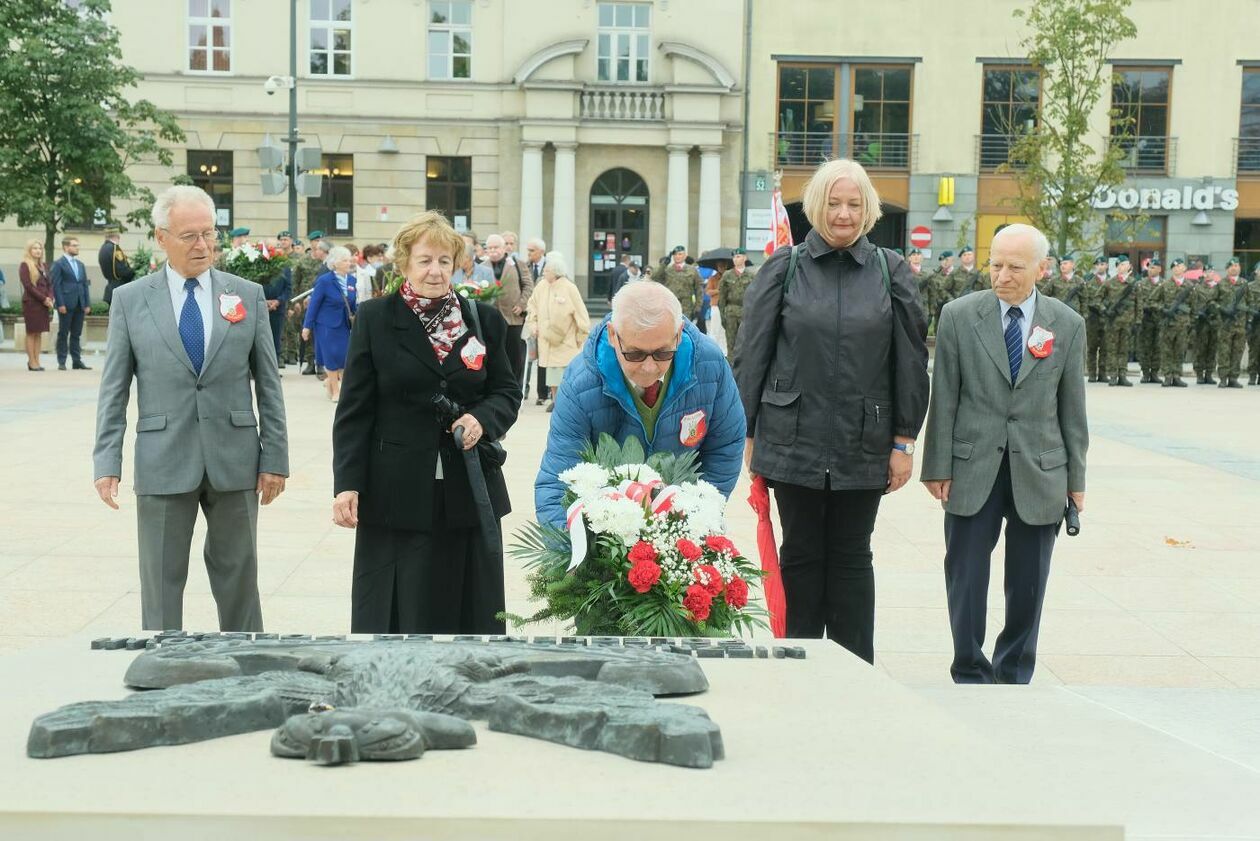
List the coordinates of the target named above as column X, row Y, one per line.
column 740, row 251
column 1154, row 261
column 283, row 234
column 914, row 251
column 679, row 249
column 966, row 249
column 900, row 252
column 1233, row 261
column 1068, row 256
column 1099, row 259
column 1177, row 261
column 315, row 235
column 1256, row 268
column 239, row 232
column 945, row 254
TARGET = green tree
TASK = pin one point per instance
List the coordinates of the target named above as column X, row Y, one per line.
column 1057, row 164
column 68, row 133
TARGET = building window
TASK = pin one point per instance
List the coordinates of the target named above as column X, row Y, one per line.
column 1140, row 98
column 449, row 189
column 1137, row 242
column 881, row 116
column 623, row 42
column 331, row 38
column 210, row 36
column 1249, row 123
column 450, row 39
column 212, row 172
column 807, row 114
column 333, row 210
column 1247, row 245
column 1010, row 101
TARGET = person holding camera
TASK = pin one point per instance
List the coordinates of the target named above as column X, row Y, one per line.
column 422, row 561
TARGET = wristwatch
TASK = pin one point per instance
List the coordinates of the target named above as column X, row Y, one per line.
column 908, row 449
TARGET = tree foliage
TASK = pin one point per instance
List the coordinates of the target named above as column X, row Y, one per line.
column 1058, row 166
column 68, row 132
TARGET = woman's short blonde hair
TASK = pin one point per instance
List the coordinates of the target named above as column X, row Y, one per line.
column 814, row 199
column 431, row 226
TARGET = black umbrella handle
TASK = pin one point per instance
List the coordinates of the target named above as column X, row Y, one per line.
column 481, row 495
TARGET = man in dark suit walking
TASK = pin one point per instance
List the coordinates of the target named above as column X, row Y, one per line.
column 1006, row 440
column 73, row 301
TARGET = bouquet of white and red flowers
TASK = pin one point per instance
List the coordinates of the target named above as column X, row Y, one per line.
column 480, row 291
column 258, row 263
column 644, row 552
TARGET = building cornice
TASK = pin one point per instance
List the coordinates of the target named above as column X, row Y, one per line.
column 546, row 54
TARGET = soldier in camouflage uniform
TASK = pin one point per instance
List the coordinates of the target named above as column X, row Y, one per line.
column 684, row 281
column 307, row 268
column 940, row 285
column 1253, row 328
column 1067, row 287
column 1095, row 325
column 1120, row 312
column 1148, row 338
column 1207, row 324
column 1231, row 304
column 967, row 278
column 730, row 298
column 1171, row 302
column 915, row 259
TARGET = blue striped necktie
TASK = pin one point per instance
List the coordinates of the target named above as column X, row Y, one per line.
column 1014, row 341
column 192, row 331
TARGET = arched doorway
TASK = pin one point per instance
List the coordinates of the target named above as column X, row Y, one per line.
column 619, row 224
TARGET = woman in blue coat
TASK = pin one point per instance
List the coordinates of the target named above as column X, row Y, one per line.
column 333, row 302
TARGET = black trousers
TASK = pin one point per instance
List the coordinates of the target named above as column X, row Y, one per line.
column 516, row 352
column 825, row 562
column 69, row 330
column 276, row 318
column 543, row 391
column 969, row 544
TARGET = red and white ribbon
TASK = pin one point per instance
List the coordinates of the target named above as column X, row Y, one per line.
column 576, row 524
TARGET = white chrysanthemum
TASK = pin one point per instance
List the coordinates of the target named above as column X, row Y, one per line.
column 585, row 479
column 636, row 472
column 617, row 516
column 251, row 253
column 702, row 505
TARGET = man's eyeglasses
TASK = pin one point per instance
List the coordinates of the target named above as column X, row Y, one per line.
column 190, row 239
column 661, row 355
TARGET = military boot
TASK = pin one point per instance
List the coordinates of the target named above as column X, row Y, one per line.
column 1207, row 379
column 1122, row 380
column 1252, row 379
column 1168, row 382
column 1179, row 382
column 1148, row 377
column 1233, row 383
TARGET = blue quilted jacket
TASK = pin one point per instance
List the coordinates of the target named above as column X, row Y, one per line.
column 594, row 398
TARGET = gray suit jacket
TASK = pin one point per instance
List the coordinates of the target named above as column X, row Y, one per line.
column 191, row 426
column 976, row 415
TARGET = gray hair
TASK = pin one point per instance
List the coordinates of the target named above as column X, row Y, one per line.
column 644, row 305
column 556, row 263
column 1041, row 245
column 336, row 254
column 322, row 245
column 537, row 242
column 494, row 237
column 179, row 194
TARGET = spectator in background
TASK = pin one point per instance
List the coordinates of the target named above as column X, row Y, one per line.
column 37, row 300
column 331, row 314
column 471, row 273
column 517, row 288
column 509, row 242
column 558, row 319
column 618, row 277
column 370, row 274
column 74, row 302
column 536, row 254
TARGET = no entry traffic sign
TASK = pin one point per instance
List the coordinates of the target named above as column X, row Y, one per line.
column 921, row 237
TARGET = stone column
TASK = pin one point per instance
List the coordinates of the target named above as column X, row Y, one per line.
column 564, row 205
column 676, row 210
column 531, row 190
column 709, row 229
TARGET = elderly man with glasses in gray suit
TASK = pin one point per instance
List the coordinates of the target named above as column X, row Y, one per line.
column 193, row 338
column 1006, row 440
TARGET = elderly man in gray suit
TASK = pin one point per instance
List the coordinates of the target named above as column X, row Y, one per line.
column 1006, row 440
column 193, row 337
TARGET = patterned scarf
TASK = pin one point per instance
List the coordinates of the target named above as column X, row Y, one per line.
column 441, row 318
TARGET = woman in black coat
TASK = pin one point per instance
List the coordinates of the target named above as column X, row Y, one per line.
column 833, row 377
column 420, row 562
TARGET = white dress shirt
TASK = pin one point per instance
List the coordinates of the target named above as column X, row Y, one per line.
column 1027, row 308
column 175, row 282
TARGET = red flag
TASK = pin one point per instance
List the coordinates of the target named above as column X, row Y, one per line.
column 782, row 226
column 767, row 547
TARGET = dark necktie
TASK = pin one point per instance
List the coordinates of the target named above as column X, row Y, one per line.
column 651, row 394
column 1014, row 341
column 192, row 331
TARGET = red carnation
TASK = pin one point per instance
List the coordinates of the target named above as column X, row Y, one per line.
column 709, row 578
column 718, row 543
column 698, row 601
column 689, row 550
column 642, row 551
column 643, row 575
column 737, row 592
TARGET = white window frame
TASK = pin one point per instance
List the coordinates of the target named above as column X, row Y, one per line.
column 209, row 49
column 330, row 28
column 450, row 29
column 636, row 38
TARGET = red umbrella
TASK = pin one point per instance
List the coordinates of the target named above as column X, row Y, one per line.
column 772, row 583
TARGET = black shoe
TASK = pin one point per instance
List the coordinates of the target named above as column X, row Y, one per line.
column 1124, row 381
column 1233, row 383
column 1095, row 379
column 1207, row 380
column 1115, row 381
column 31, row 367
column 309, row 370
column 280, row 364
column 79, row 366
column 1252, row 379
column 1179, row 382
column 61, row 366
column 1168, row 383
column 539, row 402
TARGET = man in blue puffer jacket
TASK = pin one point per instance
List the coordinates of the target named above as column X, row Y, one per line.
column 645, row 372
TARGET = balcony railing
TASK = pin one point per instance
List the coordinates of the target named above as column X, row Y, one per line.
column 1149, row 154
column 994, row 150
column 622, row 103
column 1247, row 154
column 873, row 151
